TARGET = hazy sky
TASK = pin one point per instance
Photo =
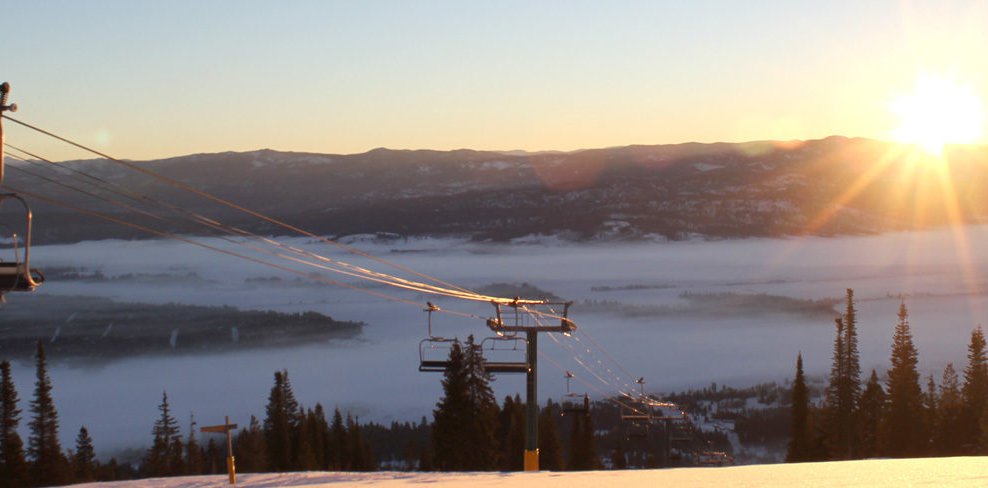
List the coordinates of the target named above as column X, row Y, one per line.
column 149, row 79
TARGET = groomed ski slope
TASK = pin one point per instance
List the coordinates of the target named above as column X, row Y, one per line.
column 897, row 473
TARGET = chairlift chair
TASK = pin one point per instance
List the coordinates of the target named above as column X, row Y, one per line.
column 17, row 275
column 574, row 403
column 434, row 354
column 512, row 345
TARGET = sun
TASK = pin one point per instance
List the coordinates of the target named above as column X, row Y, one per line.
column 937, row 113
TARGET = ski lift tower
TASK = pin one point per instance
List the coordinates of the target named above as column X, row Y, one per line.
column 519, row 316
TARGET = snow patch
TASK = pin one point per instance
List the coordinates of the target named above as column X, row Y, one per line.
column 704, row 167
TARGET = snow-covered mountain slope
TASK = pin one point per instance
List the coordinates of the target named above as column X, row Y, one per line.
column 954, row 472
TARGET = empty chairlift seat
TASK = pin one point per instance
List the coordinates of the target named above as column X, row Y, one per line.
column 17, row 275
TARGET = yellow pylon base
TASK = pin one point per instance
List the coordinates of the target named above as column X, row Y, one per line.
column 532, row 460
column 232, row 469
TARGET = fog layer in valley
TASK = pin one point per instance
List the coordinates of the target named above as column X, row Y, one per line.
column 681, row 314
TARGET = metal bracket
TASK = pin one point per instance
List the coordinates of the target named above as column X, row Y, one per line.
column 4, row 107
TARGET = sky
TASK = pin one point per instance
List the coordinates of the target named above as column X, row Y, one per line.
column 146, row 80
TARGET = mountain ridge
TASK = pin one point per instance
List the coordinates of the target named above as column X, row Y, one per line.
column 836, row 185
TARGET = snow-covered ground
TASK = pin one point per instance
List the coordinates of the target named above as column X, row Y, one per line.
column 942, row 273
column 953, row 472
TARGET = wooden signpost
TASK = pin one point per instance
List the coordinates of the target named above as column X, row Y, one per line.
column 225, row 429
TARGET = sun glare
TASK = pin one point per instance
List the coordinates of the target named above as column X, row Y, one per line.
column 938, row 113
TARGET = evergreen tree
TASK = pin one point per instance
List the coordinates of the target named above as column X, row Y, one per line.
column 452, row 415
column 948, row 432
column 215, row 458
column 550, row 449
column 511, row 434
column 176, row 457
column 159, row 460
column 281, row 423
column 48, row 465
column 583, row 450
column 194, row 463
column 319, row 436
column 844, row 389
column 982, row 447
column 360, row 453
column 483, row 428
column 13, row 466
column 975, row 390
column 84, row 462
column 799, row 427
column 465, row 427
column 574, row 460
column 250, row 450
column 305, row 450
column 931, row 407
column 905, row 434
column 838, row 409
column 872, row 414
column 338, row 456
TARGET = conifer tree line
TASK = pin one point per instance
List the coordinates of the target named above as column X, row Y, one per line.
column 470, row 431
column 42, row 462
column 895, row 417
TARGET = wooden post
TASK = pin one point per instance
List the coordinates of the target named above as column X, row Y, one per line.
column 226, row 428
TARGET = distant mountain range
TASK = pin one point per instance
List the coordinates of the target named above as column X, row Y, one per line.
column 823, row 187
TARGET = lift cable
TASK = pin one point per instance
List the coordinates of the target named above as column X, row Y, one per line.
column 254, row 248
column 354, row 271
column 590, row 368
column 594, row 344
column 210, row 247
column 603, row 394
column 466, row 294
